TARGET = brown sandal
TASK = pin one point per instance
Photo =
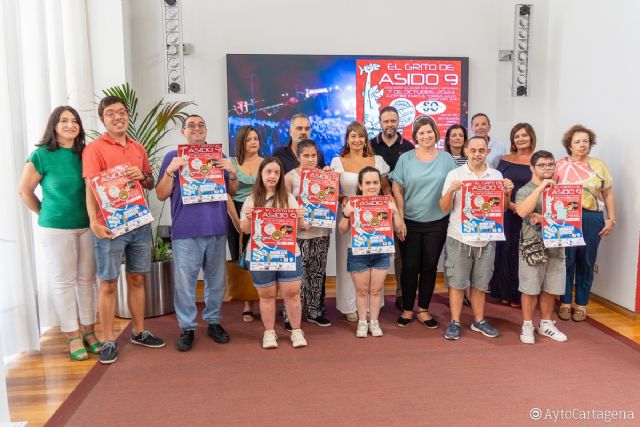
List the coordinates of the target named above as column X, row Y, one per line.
column 579, row 315
column 565, row 312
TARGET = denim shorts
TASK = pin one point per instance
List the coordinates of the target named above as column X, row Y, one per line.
column 265, row 279
column 360, row 263
column 136, row 247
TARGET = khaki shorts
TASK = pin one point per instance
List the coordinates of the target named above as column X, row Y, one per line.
column 466, row 265
column 549, row 277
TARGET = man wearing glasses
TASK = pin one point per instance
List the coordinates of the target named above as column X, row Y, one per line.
column 114, row 148
column 539, row 283
column 199, row 236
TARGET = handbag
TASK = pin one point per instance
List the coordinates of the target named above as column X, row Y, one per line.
column 533, row 251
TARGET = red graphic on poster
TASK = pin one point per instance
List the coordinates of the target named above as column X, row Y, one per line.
column 371, row 230
column 562, row 216
column 120, row 200
column 273, row 239
column 482, row 214
column 319, row 196
column 201, row 181
column 414, row 87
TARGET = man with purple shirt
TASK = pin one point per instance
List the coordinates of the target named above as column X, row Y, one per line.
column 198, row 234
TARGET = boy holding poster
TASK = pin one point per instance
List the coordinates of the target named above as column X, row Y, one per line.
column 541, row 270
column 319, row 200
column 368, row 267
column 198, row 228
column 112, row 149
column 269, row 191
column 469, row 258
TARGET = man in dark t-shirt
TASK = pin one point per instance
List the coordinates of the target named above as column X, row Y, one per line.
column 299, row 129
column 389, row 145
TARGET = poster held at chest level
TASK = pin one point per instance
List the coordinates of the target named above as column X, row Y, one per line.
column 200, row 180
column 273, row 239
column 562, row 216
column 371, row 225
column 120, row 200
column 482, row 210
column 319, row 196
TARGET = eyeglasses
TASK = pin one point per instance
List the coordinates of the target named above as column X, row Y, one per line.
column 546, row 165
column 193, row 126
column 112, row 113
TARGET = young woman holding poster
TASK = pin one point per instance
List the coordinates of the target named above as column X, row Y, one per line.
column 367, row 271
column 417, row 185
column 246, row 162
column 64, row 226
column 270, row 191
column 314, row 243
column 597, row 194
column 356, row 154
column 516, row 167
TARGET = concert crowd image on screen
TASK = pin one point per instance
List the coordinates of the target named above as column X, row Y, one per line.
column 264, row 91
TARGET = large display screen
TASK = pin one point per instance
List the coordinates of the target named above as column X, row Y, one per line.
column 333, row 90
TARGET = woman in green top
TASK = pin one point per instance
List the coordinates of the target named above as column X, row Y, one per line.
column 56, row 165
column 247, row 162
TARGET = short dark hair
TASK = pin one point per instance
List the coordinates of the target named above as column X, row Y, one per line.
column 49, row 138
column 528, row 129
column 110, row 100
column 423, row 121
column 388, row 109
column 364, row 170
column 466, row 143
column 568, row 136
column 306, row 143
column 540, row 154
column 447, row 136
column 190, row 116
column 481, row 115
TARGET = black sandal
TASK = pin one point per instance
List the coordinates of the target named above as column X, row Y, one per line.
column 247, row 316
column 429, row 323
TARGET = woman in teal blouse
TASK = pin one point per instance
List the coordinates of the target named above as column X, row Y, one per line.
column 56, row 165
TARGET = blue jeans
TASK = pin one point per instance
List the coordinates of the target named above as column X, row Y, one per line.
column 189, row 255
column 581, row 259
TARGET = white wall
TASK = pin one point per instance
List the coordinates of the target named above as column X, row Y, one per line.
column 562, row 33
column 591, row 61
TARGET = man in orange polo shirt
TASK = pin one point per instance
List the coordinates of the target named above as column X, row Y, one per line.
column 114, row 148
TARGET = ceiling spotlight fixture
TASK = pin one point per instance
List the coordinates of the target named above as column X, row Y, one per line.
column 172, row 23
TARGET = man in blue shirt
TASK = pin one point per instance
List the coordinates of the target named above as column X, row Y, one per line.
column 198, row 234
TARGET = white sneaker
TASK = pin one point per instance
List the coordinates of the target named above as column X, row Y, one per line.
column 526, row 336
column 297, row 338
column 362, row 330
column 548, row 328
column 374, row 328
column 351, row 317
column 270, row 339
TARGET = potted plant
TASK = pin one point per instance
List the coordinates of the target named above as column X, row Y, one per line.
column 154, row 126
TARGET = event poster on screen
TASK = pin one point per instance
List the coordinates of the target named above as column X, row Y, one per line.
column 562, row 216
column 482, row 210
column 120, row 200
column 273, row 239
column 200, row 180
column 319, row 196
column 371, row 225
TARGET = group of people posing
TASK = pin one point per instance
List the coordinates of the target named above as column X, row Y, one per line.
column 425, row 185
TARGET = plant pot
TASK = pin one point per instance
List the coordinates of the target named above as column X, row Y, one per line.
column 158, row 291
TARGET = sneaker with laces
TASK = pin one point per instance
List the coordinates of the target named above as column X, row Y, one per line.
column 548, row 328
column 453, row 330
column 269, row 339
column 146, row 339
column 320, row 321
column 362, row 330
column 109, row 353
column 297, row 338
column 374, row 328
column 485, row 329
column 526, row 335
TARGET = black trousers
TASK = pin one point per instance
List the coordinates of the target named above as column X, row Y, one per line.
column 421, row 251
